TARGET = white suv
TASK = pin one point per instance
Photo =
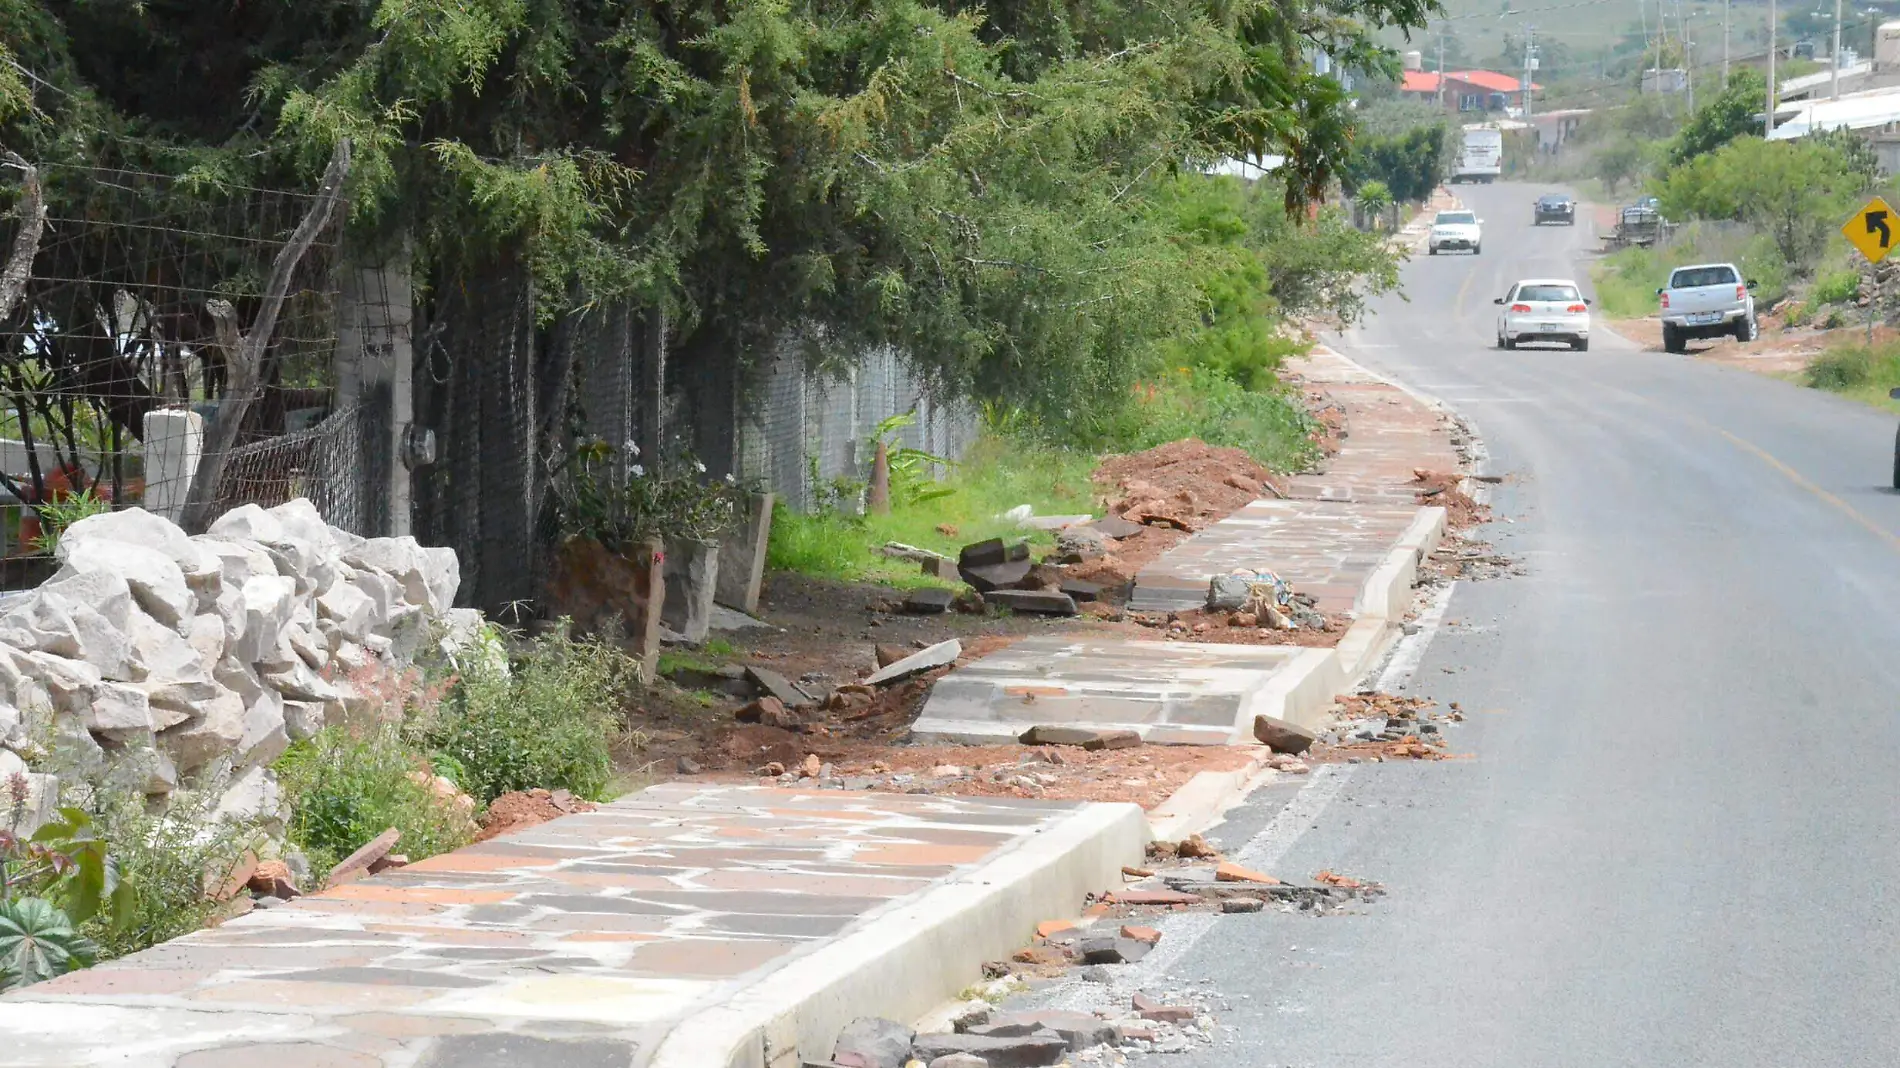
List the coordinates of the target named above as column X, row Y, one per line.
column 1706, row 300
column 1455, row 229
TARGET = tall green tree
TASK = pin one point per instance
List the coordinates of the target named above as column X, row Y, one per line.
column 1735, row 112
column 1795, row 191
column 973, row 184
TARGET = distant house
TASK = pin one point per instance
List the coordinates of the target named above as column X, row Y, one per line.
column 1466, row 90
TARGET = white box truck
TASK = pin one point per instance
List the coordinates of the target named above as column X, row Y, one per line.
column 1482, row 157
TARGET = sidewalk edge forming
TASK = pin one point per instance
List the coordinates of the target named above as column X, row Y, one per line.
column 906, row 961
column 1205, row 798
column 1303, row 691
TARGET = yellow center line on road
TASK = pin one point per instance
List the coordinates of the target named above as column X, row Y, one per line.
column 1801, row 480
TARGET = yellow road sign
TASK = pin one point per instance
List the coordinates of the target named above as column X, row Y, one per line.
column 1872, row 230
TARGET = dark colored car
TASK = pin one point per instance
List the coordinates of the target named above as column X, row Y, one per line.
column 1555, row 207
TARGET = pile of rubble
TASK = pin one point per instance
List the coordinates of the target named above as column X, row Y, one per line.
column 983, row 1037
column 1002, row 574
column 1463, row 557
column 152, row 657
column 1183, row 484
column 1383, row 726
column 1447, row 491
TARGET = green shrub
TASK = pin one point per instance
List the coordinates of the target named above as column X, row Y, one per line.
column 1627, row 280
column 550, row 722
column 345, row 789
column 165, row 858
column 1836, row 287
column 1193, row 402
column 1002, row 470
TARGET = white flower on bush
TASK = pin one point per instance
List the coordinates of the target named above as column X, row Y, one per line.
column 631, row 448
column 701, row 468
column 639, row 472
column 732, row 479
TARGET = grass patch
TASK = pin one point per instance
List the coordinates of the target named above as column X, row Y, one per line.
column 550, row 721
column 1859, row 371
column 165, row 857
column 995, row 476
column 1626, row 281
column 345, row 789
column 1269, row 425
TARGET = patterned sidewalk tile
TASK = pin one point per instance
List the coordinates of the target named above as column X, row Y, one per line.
column 1169, row 692
column 574, row 943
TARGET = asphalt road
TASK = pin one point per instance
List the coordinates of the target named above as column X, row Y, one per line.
column 1676, row 842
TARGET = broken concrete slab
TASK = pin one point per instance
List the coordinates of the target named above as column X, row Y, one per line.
column 1081, row 590
column 1021, row 1051
column 1116, row 527
column 987, row 578
column 1081, row 1030
column 1111, row 950
column 778, row 686
column 1281, row 736
column 355, row 865
column 1150, row 1009
column 939, row 655
column 929, row 600
column 1036, row 602
column 993, row 551
column 873, row 1042
column 942, row 567
column 1090, row 738
column 1154, row 897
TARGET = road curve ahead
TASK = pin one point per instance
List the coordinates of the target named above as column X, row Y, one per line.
column 1677, row 842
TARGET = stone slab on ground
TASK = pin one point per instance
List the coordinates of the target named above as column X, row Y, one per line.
column 1323, row 548
column 578, row 942
column 1392, row 434
column 1168, row 692
column 1349, row 537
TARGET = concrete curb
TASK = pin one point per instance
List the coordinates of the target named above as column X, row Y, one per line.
column 1302, row 692
column 904, row 962
column 1203, row 799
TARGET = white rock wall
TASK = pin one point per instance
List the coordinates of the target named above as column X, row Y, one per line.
column 164, row 656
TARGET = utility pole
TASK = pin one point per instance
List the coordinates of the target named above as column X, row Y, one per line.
column 1530, row 64
column 1725, row 44
column 1688, row 73
column 1442, row 27
column 1768, row 121
column 1835, row 94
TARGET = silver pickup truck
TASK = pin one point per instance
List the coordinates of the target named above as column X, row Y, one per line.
column 1706, row 300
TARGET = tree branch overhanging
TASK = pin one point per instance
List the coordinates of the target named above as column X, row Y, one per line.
column 244, row 349
column 26, row 244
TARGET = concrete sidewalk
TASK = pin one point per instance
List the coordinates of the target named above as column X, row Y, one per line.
column 1351, row 534
column 685, row 925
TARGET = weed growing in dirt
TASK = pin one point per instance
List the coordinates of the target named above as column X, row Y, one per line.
column 549, row 721
column 346, row 788
column 997, row 474
column 1858, row 371
column 165, row 857
column 1626, row 281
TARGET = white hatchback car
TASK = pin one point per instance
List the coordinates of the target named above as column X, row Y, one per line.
column 1544, row 309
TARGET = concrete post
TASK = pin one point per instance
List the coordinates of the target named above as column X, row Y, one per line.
column 375, row 372
column 174, row 444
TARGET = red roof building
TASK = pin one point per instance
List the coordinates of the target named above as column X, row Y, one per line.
column 1466, row 90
